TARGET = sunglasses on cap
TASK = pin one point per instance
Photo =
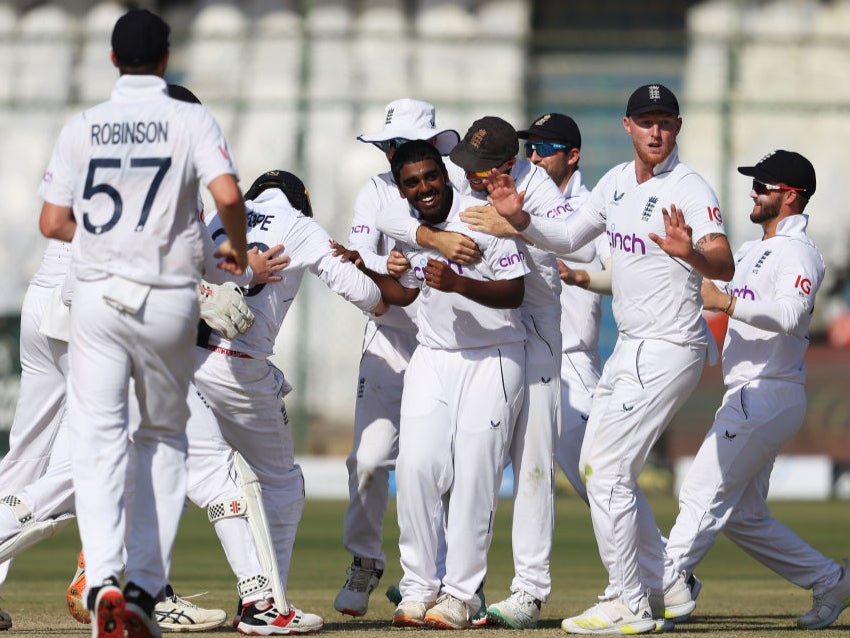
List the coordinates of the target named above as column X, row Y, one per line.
column 387, row 145
column 760, row 188
column 543, row 149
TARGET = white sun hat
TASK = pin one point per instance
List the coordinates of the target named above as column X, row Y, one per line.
column 413, row 120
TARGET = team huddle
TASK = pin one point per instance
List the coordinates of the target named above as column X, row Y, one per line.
column 147, row 331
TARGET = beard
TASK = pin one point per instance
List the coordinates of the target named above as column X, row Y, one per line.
column 764, row 213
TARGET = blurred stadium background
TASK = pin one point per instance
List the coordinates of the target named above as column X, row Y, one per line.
column 293, row 82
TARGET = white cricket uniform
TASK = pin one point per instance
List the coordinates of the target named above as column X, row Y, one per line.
column 531, row 447
column 658, row 359
column 241, row 389
column 130, row 169
column 764, row 406
column 463, row 391
column 581, row 365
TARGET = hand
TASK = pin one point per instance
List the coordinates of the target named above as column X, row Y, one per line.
column 266, row 264
column 455, row 247
column 346, row 255
column 232, row 260
column 397, row 264
column 678, row 241
column 504, row 196
column 713, row 298
column 486, row 219
column 440, row 276
column 224, row 309
column 572, row 277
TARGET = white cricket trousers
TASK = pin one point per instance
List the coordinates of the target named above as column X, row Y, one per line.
column 531, row 453
column 386, row 352
column 580, row 372
column 246, row 397
column 726, row 487
column 642, row 386
column 457, row 415
column 107, row 347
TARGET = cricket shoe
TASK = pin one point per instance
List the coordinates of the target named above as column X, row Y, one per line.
column 448, row 613
column 410, row 613
column 5, row 620
column 74, row 594
column 519, row 611
column 612, row 616
column 363, row 577
column 828, row 605
column 679, row 600
column 176, row 613
column 109, row 607
column 262, row 618
column 139, row 618
column 479, row 618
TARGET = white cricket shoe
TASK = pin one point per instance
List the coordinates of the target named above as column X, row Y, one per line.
column 176, row 613
column 262, row 618
column 679, row 600
column 828, row 605
column 519, row 611
column 410, row 613
column 363, row 577
column 612, row 616
column 5, row 620
column 448, row 613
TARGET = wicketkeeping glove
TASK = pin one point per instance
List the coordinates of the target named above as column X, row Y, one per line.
column 224, row 309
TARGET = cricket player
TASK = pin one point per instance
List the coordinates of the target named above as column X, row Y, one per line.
column 664, row 226
column 388, row 343
column 239, row 388
column 129, row 169
column 554, row 144
column 463, row 390
column 769, row 302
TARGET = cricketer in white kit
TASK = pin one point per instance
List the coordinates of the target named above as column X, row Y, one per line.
column 388, row 343
column 242, row 390
column 462, row 393
column 123, row 183
column 665, row 230
column 770, row 302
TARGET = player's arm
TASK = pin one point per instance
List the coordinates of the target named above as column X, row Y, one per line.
column 455, row 247
column 231, row 210
column 598, row 281
column 711, row 256
column 392, row 292
column 501, row 293
column 57, row 222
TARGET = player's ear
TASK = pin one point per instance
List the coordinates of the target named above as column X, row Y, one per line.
column 113, row 58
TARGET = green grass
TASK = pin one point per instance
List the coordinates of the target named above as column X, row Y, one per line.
column 739, row 597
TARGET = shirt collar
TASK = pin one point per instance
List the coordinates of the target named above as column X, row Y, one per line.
column 130, row 88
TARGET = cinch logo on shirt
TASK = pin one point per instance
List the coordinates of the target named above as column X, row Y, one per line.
column 511, row 258
column 419, row 271
column 558, row 211
column 743, row 293
column 362, row 228
column 627, row 243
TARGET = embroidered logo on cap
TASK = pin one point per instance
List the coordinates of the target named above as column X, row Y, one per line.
column 654, row 92
column 478, row 138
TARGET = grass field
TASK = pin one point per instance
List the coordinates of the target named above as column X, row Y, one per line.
column 739, row 597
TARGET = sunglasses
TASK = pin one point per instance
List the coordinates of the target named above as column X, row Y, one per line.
column 760, row 188
column 387, row 145
column 543, row 149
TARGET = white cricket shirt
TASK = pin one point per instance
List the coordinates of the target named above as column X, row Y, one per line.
column 130, row 168
column 450, row 321
column 654, row 295
column 272, row 221
column 775, row 284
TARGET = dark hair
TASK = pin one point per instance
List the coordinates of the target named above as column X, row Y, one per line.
column 412, row 152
